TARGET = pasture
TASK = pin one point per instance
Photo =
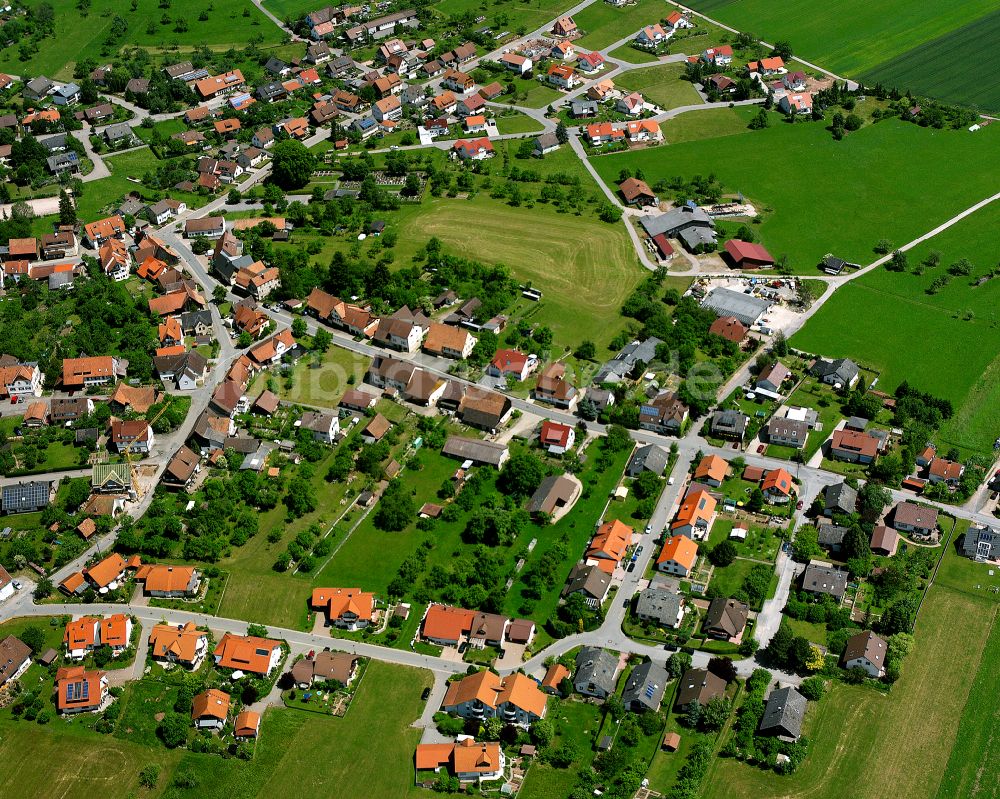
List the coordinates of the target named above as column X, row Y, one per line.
column 229, row 23
column 848, row 37
column 892, row 180
column 880, row 318
column 505, row 15
column 863, row 733
column 663, row 85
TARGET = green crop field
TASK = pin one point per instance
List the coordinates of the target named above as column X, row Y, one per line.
column 879, row 318
column 230, row 23
column 505, row 15
column 605, row 24
column 940, row 67
column 846, row 36
column 662, row 85
column 893, row 180
column 867, row 737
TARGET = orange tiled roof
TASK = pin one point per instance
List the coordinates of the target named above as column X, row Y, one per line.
column 680, row 549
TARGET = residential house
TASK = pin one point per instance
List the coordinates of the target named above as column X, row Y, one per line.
column 484, row 410
column 515, row 699
column 210, row 709
column 678, row 556
column 631, row 104
column 609, row 544
column 511, row 363
column 767, row 67
column 698, row 686
column 81, row 637
column 711, row 470
column 480, row 452
column 181, row 469
column 562, row 76
column 643, row 130
column 796, row 103
column 473, row 149
column 821, row 577
column 884, row 540
column 466, row 760
column 219, row 85
column 248, row 654
column 106, row 573
column 601, row 133
column 660, row 606
column 556, row 438
column 516, row 62
column 134, row 436
column 589, row 63
column 88, row 372
column 637, row 193
column 324, row 426
column 651, row 36
column 346, row 608
column 840, row 373
column 167, row 581
column 648, row 458
column 772, row 377
column 69, row 409
column 919, row 520
column 729, row 424
column 865, row 651
column 564, row 26
column 15, row 658
column 942, row 470
column 209, row 227
column 783, row 714
column 545, row 144
column 852, row 446
column 79, row 690
column 590, row 581
column 718, row 56
column 778, row 487
column 725, row 619
column 981, row 543
column 840, row 498
column 448, row 341
column 553, row 387
column 645, row 687
column 596, row 670
column 665, row 414
column 98, row 232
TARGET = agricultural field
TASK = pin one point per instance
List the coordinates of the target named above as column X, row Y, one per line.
column 901, row 175
column 935, row 67
column 663, row 85
column 633, row 55
column 888, row 311
column 509, row 15
column 849, row 37
column 230, row 23
column 856, row 731
column 712, row 123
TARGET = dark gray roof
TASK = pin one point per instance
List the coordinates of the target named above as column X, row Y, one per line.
column 831, row 535
column 26, row 497
column 840, row 497
column 676, row 220
column 597, row 667
column 694, row 237
column 659, row 604
column 546, row 140
column 844, row 370
column 783, row 714
column 615, row 370
column 118, row 130
column 645, row 687
column 649, row 457
column 726, row 302
column 730, row 422
column 823, row 578
column 699, row 685
column 554, row 491
column 473, row 449
column 982, row 543
column 788, row 429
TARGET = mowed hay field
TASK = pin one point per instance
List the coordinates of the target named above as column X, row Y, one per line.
column 848, row 37
column 893, row 180
column 887, row 321
column 868, row 746
column 584, row 267
column 603, row 24
column 662, row 85
column 79, row 37
column 939, row 67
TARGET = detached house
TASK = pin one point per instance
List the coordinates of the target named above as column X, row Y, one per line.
column 184, row 644
column 665, row 414
column 865, row 651
column 80, row 691
column 695, row 515
column 248, row 654
column 678, row 556
column 449, row 341
column 346, row 608
column 516, row 699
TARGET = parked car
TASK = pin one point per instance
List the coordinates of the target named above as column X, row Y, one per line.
column 798, row 505
column 761, row 448
column 426, row 693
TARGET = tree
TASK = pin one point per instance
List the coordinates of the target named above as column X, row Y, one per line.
column 322, row 340
column 173, row 730
column 760, row 120
column 67, row 211
column 587, row 351
column 541, row 732
column 723, row 667
column 292, row 164
column 714, row 714
column 523, row 473
column 776, row 652
column 783, row 50
column 779, row 346
column 395, row 510
column 723, row 553
column 756, row 501
column 813, row 688
column 219, row 294
column 492, row 728
column 677, row 664
column 299, row 328
column 562, row 134
column 34, row 638
column 200, row 246
column 43, row 589
column 149, row 776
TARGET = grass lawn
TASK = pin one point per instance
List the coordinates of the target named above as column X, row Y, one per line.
column 662, row 85
column 846, row 36
column 810, row 630
column 575, row 722
column 585, row 268
column 106, row 191
column 604, row 24
column 538, row 95
column 229, row 23
column 888, row 311
column 325, row 385
column 517, row 123
column 729, row 578
column 168, row 127
column 634, row 55
column 712, row 123
column 811, row 393
column 856, row 730
column 901, row 175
